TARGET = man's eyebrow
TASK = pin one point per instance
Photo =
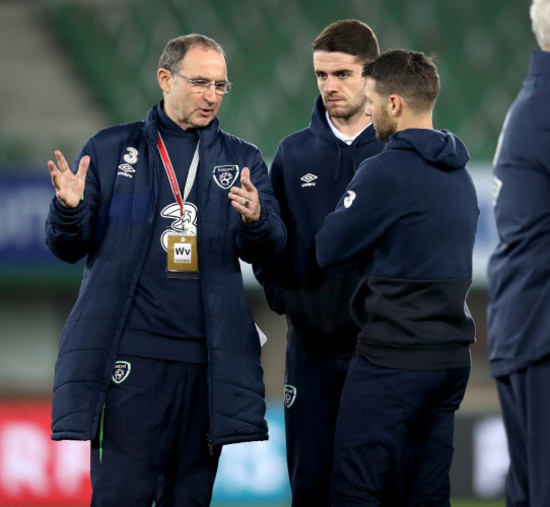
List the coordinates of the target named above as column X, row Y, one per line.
column 337, row 71
column 204, row 78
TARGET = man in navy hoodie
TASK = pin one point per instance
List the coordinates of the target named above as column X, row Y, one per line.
column 310, row 172
column 159, row 362
column 519, row 275
column 408, row 221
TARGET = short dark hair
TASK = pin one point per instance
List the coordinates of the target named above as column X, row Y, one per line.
column 349, row 36
column 410, row 74
column 176, row 49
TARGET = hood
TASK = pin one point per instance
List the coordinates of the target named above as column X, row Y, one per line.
column 439, row 147
column 318, row 123
column 346, row 154
column 320, row 127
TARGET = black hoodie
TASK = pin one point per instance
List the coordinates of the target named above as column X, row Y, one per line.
column 408, row 221
column 310, row 172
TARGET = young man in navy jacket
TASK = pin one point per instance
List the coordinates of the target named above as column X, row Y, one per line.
column 519, row 274
column 159, row 362
column 310, row 172
column 408, row 221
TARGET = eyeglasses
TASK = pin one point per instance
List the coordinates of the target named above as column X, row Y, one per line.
column 203, row 85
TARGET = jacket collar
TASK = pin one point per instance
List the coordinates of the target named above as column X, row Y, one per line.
column 207, row 134
column 320, row 127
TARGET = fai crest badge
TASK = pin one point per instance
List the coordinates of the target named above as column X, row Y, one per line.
column 290, row 395
column 121, row 371
column 225, row 176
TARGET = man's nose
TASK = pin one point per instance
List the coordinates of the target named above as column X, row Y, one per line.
column 368, row 110
column 210, row 93
column 330, row 84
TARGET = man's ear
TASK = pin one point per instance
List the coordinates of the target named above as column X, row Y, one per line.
column 164, row 78
column 395, row 105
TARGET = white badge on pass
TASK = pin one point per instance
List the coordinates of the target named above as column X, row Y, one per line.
column 182, row 258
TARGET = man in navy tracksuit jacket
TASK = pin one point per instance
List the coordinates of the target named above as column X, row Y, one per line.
column 519, row 274
column 159, row 362
column 310, row 172
column 408, row 221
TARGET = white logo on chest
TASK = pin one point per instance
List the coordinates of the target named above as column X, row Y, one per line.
column 186, row 224
column 130, row 158
column 308, row 180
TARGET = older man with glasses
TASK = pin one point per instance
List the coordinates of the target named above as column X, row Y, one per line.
column 159, row 362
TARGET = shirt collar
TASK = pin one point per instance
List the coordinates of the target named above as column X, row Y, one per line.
column 348, row 140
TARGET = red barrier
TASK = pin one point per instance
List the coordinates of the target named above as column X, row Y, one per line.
column 34, row 470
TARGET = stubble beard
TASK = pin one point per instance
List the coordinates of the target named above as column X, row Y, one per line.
column 383, row 135
column 384, row 128
column 345, row 113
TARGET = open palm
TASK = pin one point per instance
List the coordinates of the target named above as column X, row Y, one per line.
column 69, row 187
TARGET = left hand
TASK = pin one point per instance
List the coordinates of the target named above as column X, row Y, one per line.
column 245, row 199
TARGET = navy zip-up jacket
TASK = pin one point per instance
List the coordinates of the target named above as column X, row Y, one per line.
column 310, row 172
column 112, row 226
column 519, row 268
column 409, row 220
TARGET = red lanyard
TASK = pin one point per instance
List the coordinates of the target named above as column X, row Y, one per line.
column 172, row 174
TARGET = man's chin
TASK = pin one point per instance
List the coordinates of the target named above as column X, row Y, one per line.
column 202, row 121
column 383, row 136
column 336, row 110
column 340, row 113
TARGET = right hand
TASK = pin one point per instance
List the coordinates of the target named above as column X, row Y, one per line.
column 69, row 187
